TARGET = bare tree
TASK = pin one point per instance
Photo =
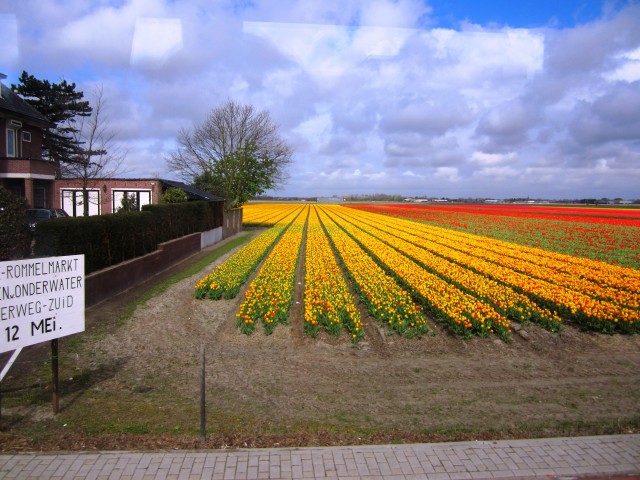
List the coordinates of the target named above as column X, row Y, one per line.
column 236, row 153
column 98, row 156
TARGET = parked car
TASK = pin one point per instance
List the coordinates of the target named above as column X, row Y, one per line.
column 37, row 215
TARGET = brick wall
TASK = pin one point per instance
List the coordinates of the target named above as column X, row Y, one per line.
column 26, row 168
column 110, row 281
column 106, row 188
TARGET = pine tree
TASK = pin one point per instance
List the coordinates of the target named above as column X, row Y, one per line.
column 61, row 103
column 129, row 203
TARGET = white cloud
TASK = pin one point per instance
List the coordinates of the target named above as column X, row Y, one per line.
column 403, row 13
column 9, row 39
column 104, row 35
column 478, row 55
column 447, row 173
column 493, row 159
column 498, row 173
column 155, row 40
column 629, row 69
column 379, row 41
column 282, row 81
column 316, row 130
column 371, row 98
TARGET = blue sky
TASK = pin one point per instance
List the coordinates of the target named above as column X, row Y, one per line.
column 438, row 98
column 521, row 14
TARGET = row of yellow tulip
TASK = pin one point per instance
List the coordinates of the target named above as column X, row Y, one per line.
column 327, row 301
column 269, row 296
column 227, row 278
column 502, row 298
column 384, row 299
column 568, row 302
column 463, row 313
column 267, row 215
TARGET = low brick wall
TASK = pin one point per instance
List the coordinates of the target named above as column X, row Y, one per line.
column 106, row 283
column 110, row 281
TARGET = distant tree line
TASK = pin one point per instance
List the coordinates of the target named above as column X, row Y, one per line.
column 383, row 197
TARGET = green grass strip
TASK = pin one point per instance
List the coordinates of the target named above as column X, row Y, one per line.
column 187, row 272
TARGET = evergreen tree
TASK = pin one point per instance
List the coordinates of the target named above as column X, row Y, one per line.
column 128, row 203
column 61, row 104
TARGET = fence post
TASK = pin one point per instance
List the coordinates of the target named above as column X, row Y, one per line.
column 203, row 416
column 55, row 398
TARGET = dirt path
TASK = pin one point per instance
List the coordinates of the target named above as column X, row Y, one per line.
column 141, row 378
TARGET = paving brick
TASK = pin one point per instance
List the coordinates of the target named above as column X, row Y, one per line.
column 522, row 459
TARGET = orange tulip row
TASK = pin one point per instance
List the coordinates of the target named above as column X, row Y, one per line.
column 502, row 298
column 600, row 280
column 463, row 313
column 384, row 298
column 551, row 290
column 328, row 304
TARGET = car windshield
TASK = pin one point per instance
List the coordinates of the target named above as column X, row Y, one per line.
column 38, row 214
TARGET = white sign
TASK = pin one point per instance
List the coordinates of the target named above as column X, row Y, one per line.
column 40, row 299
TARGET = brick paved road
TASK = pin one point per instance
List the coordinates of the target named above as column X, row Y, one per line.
column 561, row 458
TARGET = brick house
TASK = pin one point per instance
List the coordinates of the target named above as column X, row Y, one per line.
column 24, row 172
column 105, row 195
column 22, row 168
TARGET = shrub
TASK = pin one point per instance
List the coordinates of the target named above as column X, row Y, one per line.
column 110, row 239
column 174, row 195
column 14, row 233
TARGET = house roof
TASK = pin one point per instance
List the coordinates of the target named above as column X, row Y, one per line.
column 192, row 190
column 11, row 102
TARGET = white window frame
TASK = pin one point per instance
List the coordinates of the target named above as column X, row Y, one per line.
column 26, row 136
column 69, row 195
column 118, row 192
column 13, row 134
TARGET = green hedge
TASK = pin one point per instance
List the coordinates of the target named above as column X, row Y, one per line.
column 15, row 242
column 106, row 240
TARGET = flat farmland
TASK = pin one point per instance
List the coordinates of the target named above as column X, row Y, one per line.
column 333, row 325
column 411, row 274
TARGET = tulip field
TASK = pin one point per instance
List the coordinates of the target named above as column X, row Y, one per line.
column 603, row 233
column 406, row 268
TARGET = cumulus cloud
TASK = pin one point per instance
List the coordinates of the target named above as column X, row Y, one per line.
column 447, row 173
column 155, row 40
column 9, row 38
column 611, row 117
column 485, row 160
column 507, row 125
column 627, row 67
column 371, row 94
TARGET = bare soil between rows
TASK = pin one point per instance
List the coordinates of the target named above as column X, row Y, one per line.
column 135, row 385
